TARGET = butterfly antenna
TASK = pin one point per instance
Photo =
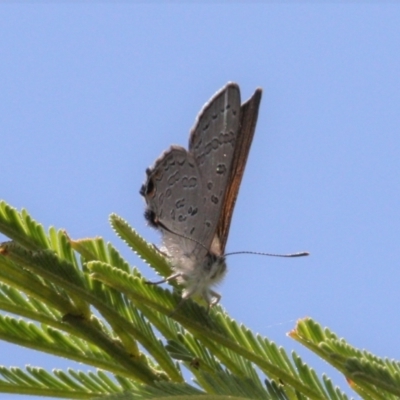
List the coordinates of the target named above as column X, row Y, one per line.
column 301, row 254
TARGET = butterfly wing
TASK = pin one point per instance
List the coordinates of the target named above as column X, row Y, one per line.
column 208, row 177
column 190, row 195
column 248, row 121
column 212, row 143
column 172, row 192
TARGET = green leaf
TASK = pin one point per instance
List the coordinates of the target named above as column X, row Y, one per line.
column 79, row 299
column 370, row 376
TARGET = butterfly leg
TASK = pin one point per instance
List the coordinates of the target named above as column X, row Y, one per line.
column 159, row 250
column 215, row 300
column 169, row 278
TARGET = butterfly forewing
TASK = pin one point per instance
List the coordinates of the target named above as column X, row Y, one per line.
column 248, row 121
column 212, row 143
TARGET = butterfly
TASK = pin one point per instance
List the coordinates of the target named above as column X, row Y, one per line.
column 190, row 194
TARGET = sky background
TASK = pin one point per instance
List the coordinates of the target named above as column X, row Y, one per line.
column 91, row 95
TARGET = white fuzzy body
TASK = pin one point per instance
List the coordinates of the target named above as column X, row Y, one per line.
column 198, row 270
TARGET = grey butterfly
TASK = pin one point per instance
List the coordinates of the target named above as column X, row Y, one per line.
column 191, row 194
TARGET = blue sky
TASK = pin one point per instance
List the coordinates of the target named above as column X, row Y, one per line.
column 93, row 94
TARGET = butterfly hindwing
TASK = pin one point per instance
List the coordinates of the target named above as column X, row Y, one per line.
column 172, row 193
